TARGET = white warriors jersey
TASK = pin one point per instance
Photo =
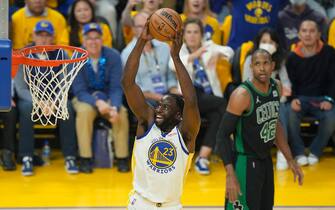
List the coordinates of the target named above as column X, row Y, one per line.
column 160, row 164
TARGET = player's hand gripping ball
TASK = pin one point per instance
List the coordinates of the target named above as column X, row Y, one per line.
column 164, row 24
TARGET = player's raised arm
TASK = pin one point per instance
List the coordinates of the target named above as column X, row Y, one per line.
column 133, row 93
column 191, row 118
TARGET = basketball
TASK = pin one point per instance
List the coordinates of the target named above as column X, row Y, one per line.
column 164, row 23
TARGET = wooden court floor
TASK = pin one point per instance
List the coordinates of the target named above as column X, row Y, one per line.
column 53, row 188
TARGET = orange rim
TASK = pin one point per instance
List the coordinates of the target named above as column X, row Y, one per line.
column 19, row 56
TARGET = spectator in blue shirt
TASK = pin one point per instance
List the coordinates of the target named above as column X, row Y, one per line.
column 98, row 92
column 154, row 76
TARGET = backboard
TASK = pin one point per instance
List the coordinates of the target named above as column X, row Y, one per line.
column 5, row 59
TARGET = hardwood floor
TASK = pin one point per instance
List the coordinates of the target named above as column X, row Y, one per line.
column 51, row 187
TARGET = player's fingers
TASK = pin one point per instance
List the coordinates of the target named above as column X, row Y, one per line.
column 294, row 171
column 229, row 193
column 236, row 192
column 231, row 196
column 179, row 35
column 239, row 191
column 301, row 177
column 171, row 37
column 181, row 31
column 322, row 106
column 147, row 23
column 301, row 180
column 234, row 195
column 148, row 19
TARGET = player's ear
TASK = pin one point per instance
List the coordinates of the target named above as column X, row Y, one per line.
column 179, row 116
column 273, row 64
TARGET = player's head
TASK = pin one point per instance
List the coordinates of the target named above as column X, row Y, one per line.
column 309, row 33
column 169, row 111
column 261, row 65
column 92, row 38
column 193, row 33
column 36, row 7
column 139, row 21
column 44, row 33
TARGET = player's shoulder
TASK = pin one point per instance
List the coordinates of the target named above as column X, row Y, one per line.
column 240, row 100
column 242, row 92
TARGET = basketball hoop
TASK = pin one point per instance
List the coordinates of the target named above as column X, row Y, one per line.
column 49, row 73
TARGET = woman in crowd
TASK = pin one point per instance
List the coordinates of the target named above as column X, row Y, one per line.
column 200, row 9
column 82, row 12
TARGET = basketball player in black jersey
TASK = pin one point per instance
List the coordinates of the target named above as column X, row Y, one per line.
column 252, row 115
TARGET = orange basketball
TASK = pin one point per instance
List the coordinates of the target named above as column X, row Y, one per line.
column 164, row 23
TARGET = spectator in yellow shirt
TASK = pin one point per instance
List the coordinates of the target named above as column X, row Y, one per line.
column 25, row 19
column 200, row 9
column 82, row 12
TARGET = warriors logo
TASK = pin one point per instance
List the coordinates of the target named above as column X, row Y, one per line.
column 258, row 12
column 162, row 155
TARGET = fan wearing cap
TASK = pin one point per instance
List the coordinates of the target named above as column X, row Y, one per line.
column 43, row 35
column 98, row 92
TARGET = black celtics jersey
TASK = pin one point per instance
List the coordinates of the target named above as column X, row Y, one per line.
column 256, row 129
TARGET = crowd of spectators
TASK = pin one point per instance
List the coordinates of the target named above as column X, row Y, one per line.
column 219, row 36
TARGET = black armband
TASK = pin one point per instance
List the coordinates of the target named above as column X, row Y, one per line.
column 224, row 142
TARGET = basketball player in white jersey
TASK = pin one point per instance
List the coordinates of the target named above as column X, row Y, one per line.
column 165, row 136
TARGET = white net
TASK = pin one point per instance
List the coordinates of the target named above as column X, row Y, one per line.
column 49, row 85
